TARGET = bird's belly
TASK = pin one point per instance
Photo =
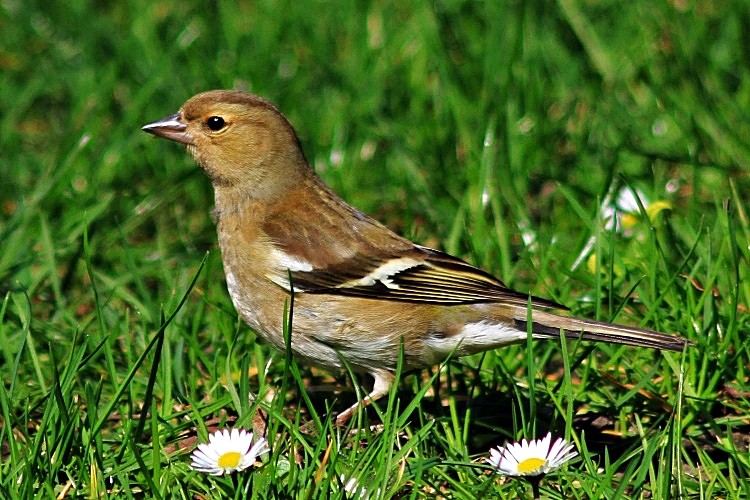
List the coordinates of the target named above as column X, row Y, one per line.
column 472, row 338
column 368, row 333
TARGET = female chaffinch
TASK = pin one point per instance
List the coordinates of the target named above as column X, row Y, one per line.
column 360, row 290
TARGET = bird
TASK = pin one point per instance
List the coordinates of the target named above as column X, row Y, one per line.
column 361, row 293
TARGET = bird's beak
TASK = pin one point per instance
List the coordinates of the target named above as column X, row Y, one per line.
column 171, row 127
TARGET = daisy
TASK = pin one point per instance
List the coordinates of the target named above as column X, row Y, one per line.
column 531, row 458
column 621, row 212
column 227, row 452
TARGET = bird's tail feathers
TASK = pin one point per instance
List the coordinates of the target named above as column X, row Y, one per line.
column 547, row 325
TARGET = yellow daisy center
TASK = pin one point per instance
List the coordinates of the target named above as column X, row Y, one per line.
column 230, row 460
column 530, row 464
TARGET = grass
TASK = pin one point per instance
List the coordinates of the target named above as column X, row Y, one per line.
column 492, row 130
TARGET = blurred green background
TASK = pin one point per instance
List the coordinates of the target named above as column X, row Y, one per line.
column 394, row 105
column 493, row 130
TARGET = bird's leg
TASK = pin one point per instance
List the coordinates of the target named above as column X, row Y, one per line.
column 383, row 382
column 260, row 419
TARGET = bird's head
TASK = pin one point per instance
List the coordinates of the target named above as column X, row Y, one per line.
column 240, row 140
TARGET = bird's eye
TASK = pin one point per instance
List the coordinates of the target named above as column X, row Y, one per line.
column 215, row 123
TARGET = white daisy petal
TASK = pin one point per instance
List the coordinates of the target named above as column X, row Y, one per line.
column 495, row 456
column 227, row 452
column 556, row 448
column 531, row 458
column 260, row 447
column 511, row 452
column 543, row 445
column 559, row 451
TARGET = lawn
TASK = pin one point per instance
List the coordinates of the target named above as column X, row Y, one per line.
column 595, row 153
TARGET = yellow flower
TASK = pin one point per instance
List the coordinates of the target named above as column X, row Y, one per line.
column 227, row 452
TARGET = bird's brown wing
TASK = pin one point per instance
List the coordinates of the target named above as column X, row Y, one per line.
column 419, row 275
column 349, row 253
